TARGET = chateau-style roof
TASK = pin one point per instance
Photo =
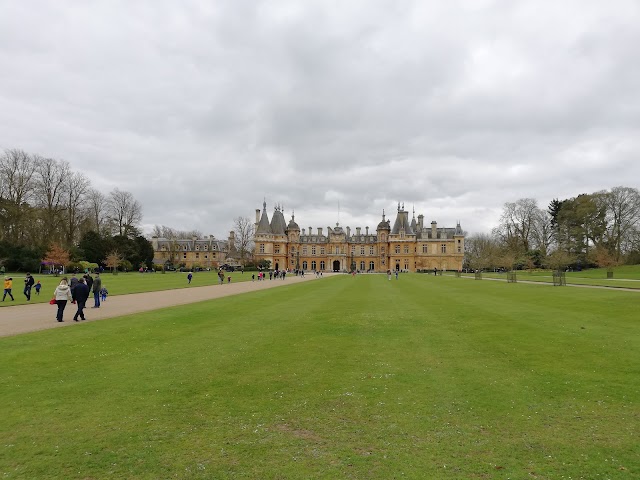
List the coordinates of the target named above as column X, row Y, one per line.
column 292, row 224
column 402, row 223
column 263, row 225
column 278, row 223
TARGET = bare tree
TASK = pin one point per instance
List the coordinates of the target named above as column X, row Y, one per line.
column 96, row 210
column 517, row 223
column 50, row 183
column 76, row 188
column 125, row 212
column 481, row 251
column 244, row 230
column 623, row 217
column 17, row 170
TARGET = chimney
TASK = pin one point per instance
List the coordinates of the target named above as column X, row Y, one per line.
column 348, row 232
column 303, row 230
column 434, row 230
column 310, row 231
column 358, row 231
column 257, row 216
column 367, row 231
column 420, row 221
column 319, row 231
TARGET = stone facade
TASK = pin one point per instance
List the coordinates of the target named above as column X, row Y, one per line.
column 207, row 252
column 408, row 245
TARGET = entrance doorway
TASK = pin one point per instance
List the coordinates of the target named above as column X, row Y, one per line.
column 397, row 267
column 336, row 265
column 277, row 266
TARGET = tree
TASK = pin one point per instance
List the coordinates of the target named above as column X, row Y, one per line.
column 243, row 230
column 480, row 251
column 622, row 206
column 76, row 189
column 559, row 260
column 113, row 260
column 16, row 190
column 50, row 178
column 56, row 255
column 517, row 224
column 97, row 210
column 124, row 212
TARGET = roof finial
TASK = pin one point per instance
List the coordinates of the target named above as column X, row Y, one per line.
column 398, row 206
column 383, row 214
column 264, row 203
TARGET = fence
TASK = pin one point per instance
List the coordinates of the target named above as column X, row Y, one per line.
column 559, row 279
column 478, row 275
column 511, row 277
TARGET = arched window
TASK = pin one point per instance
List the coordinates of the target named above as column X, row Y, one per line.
column 322, row 265
column 313, row 265
column 372, row 266
column 304, row 265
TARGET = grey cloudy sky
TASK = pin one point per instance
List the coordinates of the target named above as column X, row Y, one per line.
column 203, row 108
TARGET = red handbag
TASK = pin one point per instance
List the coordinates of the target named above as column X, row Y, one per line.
column 52, row 301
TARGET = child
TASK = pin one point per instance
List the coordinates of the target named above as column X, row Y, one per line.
column 103, row 294
column 38, row 287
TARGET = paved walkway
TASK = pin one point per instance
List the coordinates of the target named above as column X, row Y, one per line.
column 41, row 316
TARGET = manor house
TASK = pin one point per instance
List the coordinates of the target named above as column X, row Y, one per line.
column 408, row 245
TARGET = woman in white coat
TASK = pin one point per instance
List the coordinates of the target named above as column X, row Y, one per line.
column 62, row 295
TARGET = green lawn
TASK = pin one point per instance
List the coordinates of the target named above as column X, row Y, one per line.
column 347, row 377
column 123, row 283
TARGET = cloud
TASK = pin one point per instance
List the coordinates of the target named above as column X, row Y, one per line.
column 203, row 109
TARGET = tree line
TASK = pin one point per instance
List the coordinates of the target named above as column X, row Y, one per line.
column 595, row 229
column 43, row 202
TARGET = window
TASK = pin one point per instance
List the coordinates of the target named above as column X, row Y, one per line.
column 276, row 249
column 371, row 250
column 443, row 248
column 362, row 252
column 382, row 251
column 197, row 247
column 262, row 248
column 206, row 247
column 337, row 249
column 184, row 247
column 197, row 255
column 372, row 266
column 293, row 249
column 383, row 237
column 406, row 249
column 313, row 265
column 406, row 266
column 321, row 265
column 304, row 250
column 321, row 250
column 313, row 250
column 164, row 248
column 459, row 249
column 402, row 234
column 184, row 256
column 206, row 256
column 425, row 249
column 304, row 265
column 353, row 249
column 397, row 248
column 361, row 266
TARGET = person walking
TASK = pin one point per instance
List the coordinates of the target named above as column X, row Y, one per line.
column 95, row 288
column 38, row 287
column 28, row 284
column 8, row 285
column 62, row 295
column 89, row 280
column 80, row 294
column 189, row 277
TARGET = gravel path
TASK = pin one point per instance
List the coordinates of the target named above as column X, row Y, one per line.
column 41, row 316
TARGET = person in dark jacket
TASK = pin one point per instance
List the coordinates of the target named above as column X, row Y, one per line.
column 95, row 288
column 28, row 283
column 88, row 280
column 80, row 294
